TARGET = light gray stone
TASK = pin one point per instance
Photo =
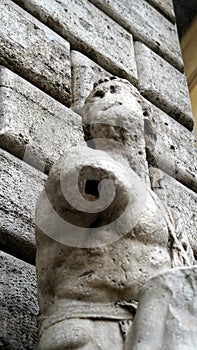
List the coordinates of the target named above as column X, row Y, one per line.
column 20, row 186
column 18, row 306
column 85, row 73
column 171, row 147
column 34, row 126
column 167, row 314
column 163, row 85
column 94, row 255
column 90, row 31
column 165, row 6
column 101, row 231
column 147, row 25
column 181, row 200
column 34, row 51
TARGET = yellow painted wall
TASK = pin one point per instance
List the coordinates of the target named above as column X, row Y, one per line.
column 189, row 51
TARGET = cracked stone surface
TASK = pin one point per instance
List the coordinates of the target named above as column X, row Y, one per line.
column 90, row 31
column 181, row 200
column 163, row 85
column 85, row 73
column 165, row 6
column 34, row 126
column 20, row 187
column 18, row 307
column 147, row 25
column 34, row 51
column 171, row 147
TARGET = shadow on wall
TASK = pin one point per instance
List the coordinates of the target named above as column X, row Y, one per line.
column 185, row 11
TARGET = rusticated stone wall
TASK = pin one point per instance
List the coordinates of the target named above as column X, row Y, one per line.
column 51, row 53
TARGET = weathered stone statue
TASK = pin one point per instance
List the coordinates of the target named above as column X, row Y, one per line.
column 103, row 235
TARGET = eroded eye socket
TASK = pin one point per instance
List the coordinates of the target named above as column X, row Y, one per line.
column 112, row 89
column 99, row 93
column 104, row 80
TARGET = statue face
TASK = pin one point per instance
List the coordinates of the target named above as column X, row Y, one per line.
column 113, row 108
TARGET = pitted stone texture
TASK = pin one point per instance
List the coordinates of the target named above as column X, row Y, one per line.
column 19, row 308
column 90, row 31
column 33, row 126
column 171, row 147
column 114, row 112
column 34, row 51
column 20, row 187
column 100, row 230
column 167, row 315
column 147, row 25
column 163, row 85
column 181, row 200
column 85, row 73
column 165, row 6
column 82, row 276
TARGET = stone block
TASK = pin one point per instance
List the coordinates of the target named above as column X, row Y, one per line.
column 34, row 51
column 146, row 24
column 171, row 147
column 181, row 200
column 20, row 187
column 34, row 126
column 90, row 31
column 163, row 85
column 166, row 7
column 85, row 73
column 19, row 308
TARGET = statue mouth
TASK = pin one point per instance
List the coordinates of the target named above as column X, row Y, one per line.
column 92, row 189
column 102, row 197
